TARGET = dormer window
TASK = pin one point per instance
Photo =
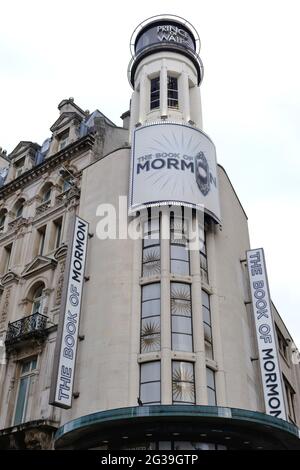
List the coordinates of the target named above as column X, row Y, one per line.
column 19, row 167
column 19, row 209
column 63, row 140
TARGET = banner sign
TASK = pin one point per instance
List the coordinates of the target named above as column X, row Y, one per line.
column 173, row 164
column 66, row 343
column 265, row 333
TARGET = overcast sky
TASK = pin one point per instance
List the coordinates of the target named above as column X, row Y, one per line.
column 50, row 50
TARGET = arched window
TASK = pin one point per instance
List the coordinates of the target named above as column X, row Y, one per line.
column 19, row 208
column 37, row 299
column 47, row 193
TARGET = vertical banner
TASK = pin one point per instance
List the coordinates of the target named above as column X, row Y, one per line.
column 66, row 342
column 265, row 333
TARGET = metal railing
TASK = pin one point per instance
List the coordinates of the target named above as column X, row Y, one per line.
column 31, row 326
column 43, row 207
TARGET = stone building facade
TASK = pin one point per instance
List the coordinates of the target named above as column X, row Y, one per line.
column 167, row 355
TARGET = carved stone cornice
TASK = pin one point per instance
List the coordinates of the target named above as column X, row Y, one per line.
column 61, row 252
column 9, row 278
column 69, row 152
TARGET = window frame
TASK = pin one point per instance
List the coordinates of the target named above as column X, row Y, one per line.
column 173, row 90
column 155, row 91
column 174, row 401
column 27, row 375
column 205, row 323
column 149, row 317
column 214, row 390
column 156, row 244
column 178, row 315
column 148, row 382
column 182, row 242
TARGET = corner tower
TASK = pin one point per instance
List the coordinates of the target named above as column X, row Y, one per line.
column 165, row 72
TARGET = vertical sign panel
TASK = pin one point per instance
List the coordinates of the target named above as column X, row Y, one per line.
column 265, row 333
column 66, row 343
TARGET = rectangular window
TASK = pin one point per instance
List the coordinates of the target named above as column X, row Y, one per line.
column 150, row 383
column 181, row 314
column 19, row 167
column 183, row 382
column 290, row 397
column 282, row 344
column 41, row 240
column 151, row 248
column 58, row 226
column 211, row 387
column 180, row 261
column 63, row 139
column 207, row 325
column 150, row 318
column 28, row 371
column 154, row 93
column 6, row 257
column 172, row 92
column 203, row 256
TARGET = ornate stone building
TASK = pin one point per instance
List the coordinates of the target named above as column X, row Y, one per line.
column 167, row 355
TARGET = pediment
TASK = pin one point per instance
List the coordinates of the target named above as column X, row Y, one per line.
column 23, row 148
column 61, row 252
column 40, row 263
column 63, row 120
column 9, row 278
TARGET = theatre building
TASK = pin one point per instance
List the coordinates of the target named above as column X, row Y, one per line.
column 133, row 312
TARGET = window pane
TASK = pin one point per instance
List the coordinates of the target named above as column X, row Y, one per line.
column 150, row 392
column 151, row 291
column 205, row 299
column 210, row 377
column 21, row 402
column 150, row 371
column 183, row 386
column 26, row 367
column 179, row 252
column 207, row 332
column 182, row 342
column 151, row 261
column 172, row 83
column 181, row 299
column 209, row 351
column 211, row 397
column 152, row 239
column 206, row 315
column 181, row 324
column 180, row 267
column 33, row 363
column 150, row 335
column 150, row 308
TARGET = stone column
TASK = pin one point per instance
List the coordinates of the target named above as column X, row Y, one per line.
column 185, row 96
column 164, row 89
column 166, row 373
column 197, row 316
column 215, row 318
